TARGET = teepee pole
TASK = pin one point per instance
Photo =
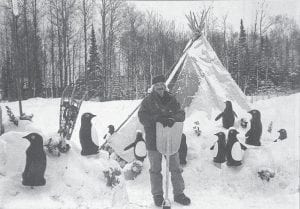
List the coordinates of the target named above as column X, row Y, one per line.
column 129, row 116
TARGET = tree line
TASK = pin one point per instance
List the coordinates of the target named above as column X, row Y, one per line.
column 114, row 50
column 265, row 57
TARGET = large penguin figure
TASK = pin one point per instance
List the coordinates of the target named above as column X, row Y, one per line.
column 182, row 150
column 234, row 149
column 36, row 162
column 86, row 135
column 139, row 146
column 219, row 148
column 255, row 131
column 227, row 115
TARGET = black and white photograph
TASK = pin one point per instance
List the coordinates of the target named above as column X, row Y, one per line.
column 118, row 104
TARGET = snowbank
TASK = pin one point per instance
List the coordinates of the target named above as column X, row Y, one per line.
column 74, row 181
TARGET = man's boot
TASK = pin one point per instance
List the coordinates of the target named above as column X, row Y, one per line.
column 182, row 199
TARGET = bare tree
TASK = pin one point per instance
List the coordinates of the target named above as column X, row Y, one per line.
column 264, row 22
column 114, row 28
column 86, row 11
column 104, row 13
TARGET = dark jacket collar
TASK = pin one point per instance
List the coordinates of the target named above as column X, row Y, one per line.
column 164, row 99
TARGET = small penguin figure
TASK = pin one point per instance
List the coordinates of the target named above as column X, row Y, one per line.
column 105, row 146
column 227, row 115
column 244, row 123
column 111, row 130
column 220, row 148
column 182, row 150
column 139, row 146
column 85, row 135
column 234, row 149
column 36, row 162
column 282, row 135
column 255, row 131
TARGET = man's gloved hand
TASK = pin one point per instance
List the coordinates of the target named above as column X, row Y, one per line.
column 170, row 122
column 163, row 120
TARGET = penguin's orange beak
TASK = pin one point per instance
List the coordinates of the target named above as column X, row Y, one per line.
column 94, row 116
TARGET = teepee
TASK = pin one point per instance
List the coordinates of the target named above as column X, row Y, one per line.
column 200, row 83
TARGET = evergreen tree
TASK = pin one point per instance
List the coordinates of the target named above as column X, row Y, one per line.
column 95, row 80
column 242, row 38
column 93, row 63
column 242, row 56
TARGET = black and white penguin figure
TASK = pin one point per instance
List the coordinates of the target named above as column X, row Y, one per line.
column 234, row 149
column 227, row 115
column 183, row 150
column 139, row 146
column 111, row 130
column 282, row 135
column 219, row 148
column 36, row 162
column 254, row 133
column 244, row 123
column 106, row 146
column 87, row 135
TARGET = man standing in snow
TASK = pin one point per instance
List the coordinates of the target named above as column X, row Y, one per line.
column 160, row 106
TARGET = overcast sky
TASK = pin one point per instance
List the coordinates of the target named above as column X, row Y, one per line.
column 236, row 9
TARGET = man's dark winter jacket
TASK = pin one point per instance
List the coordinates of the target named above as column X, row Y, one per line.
column 153, row 107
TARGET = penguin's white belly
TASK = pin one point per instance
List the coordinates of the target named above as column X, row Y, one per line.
column 237, row 152
column 215, row 150
column 94, row 135
column 140, row 149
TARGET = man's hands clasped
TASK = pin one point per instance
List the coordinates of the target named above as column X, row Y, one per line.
column 166, row 121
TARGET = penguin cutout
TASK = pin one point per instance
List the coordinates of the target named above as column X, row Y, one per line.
column 105, row 146
column 244, row 123
column 234, row 153
column 228, row 116
column 182, row 150
column 282, row 135
column 85, row 135
column 111, row 130
column 139, row 146
column 36, row 162
column 219, row 148
column 254, row 133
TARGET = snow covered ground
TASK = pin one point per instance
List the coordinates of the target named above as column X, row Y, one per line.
column 74, row 181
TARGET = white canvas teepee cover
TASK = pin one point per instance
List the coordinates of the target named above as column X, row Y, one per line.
column 200, row 82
